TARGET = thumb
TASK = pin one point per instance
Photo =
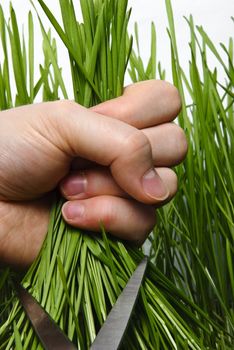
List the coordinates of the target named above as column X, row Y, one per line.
column 110, row 142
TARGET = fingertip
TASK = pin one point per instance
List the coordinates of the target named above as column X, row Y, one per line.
column 73, row 212
column 74, row 185
column 154, row 186
column 126, row 219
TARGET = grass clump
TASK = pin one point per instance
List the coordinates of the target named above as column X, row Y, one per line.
column 186, row 301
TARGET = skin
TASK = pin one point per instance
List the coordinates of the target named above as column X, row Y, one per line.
column 112, row 163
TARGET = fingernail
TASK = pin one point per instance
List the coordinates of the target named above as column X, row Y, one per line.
column 74, row 185
column 72, row 211
column 154, row 186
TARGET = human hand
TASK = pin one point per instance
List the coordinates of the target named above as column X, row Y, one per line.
column 39, row 144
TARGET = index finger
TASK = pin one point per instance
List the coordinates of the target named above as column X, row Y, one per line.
column 144, row 104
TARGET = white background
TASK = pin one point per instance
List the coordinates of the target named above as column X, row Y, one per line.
column 213, row 15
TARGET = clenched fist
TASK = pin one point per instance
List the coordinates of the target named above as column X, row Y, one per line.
column 112, row 163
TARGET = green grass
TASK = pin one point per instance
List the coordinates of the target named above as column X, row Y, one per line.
column 186, row 301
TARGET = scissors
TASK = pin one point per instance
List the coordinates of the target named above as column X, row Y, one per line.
column 111, row 333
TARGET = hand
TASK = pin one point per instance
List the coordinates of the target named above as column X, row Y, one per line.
column 112, row 149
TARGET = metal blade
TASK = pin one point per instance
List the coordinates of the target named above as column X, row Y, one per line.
column 112, row 331
column 50, row 335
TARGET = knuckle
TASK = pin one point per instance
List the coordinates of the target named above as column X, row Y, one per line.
column 125, row 109
column 58, row 110
column 61, row 109
column 137, row 142
column 174, row 182
column 59, row 126
column 181, row 142
column 64, row 104
column 141, row 238
column 174, row 97
column 149, row 224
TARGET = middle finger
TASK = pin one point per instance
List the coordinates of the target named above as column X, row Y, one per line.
column 168, row 144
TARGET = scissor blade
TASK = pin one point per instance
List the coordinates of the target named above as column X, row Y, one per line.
column 112, row 332
column 50, row 335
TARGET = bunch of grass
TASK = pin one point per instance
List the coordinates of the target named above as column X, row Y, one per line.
column 184, row 301
column 193, row 240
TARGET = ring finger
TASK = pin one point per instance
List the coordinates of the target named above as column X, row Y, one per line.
column 98, row 181
column 124, row 218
